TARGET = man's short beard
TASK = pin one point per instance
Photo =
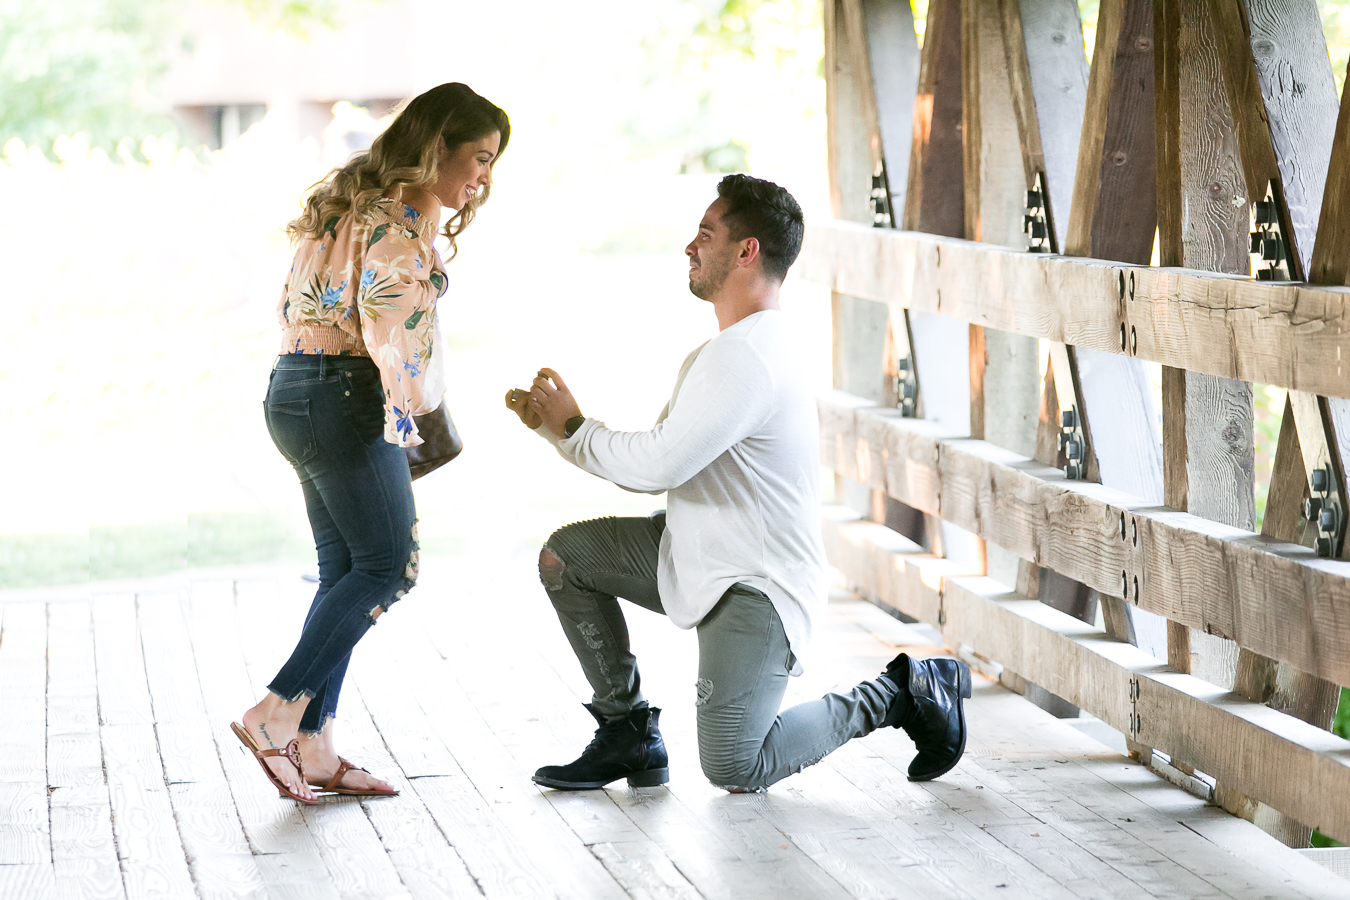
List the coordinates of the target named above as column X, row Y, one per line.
column 712, row 283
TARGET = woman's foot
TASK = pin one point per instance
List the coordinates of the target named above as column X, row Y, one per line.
column 273, row 724
column 321, row 761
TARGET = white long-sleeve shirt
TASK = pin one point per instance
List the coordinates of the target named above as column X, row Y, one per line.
column 737, row 448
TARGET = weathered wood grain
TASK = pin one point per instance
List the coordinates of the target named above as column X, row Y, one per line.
column 148, row 844
column 1331, row 252
column 1071, row 659
column 995, row 179
column 1291, row 335
column 934, row 197
column 893, row 51
column 1274, row 598
column 849, row 108
column 1114, row 211
column 1283, row 99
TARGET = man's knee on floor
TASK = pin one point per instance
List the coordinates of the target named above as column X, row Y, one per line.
column 736, row 777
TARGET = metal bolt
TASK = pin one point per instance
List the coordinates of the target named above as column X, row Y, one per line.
column 1124, row 585
column 1323, row 547
column 1119, row 157
column 1122, row 337
column 1067, row 419
column 1134, row 341
column 1326, row 519
column 1122, row 526
column 1131, row 285
column 1134, row 523
column 1311, row 507
column 1073, row 449
column 1320, row 482
column 1136, row 590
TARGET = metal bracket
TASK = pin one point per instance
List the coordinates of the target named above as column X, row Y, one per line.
column 906, row 386
column 1072, row 445
column 880, row 198
column 1136, row 724
column 1323, row 511
column 1036, row 220
column 1269, row 248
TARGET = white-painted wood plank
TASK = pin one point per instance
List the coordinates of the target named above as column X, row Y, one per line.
column 24, row 839
column 644, row 871
column 347, row 841
column 33, row 881
column 123, row 697
column 286, row 854
column 84, row 854
column 153, row 860
column 23, row 688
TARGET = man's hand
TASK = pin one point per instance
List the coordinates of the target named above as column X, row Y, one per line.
column 518, row 402
column 553, row 402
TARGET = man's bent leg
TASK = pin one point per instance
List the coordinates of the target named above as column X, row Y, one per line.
column 744, row 661
column 584, row 567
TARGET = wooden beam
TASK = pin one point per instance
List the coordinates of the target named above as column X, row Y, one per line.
column 1048, row 64
column 995, row 184
column 1292, row 335
column 1304, row 771
column 1282, row 95
column 893, row 54
column 850, row 118
column 934, row 199
column 1114, row 213
column 1274, row 598
column 1331, row 253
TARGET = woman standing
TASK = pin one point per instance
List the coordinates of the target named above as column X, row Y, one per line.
column 358, row 362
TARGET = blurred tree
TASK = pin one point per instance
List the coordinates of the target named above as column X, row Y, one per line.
column 92, row 66
column 80, row 65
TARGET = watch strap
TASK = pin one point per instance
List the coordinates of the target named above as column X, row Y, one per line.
column 571, row 425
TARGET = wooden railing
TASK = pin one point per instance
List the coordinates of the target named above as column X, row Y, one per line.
column 1140, row 588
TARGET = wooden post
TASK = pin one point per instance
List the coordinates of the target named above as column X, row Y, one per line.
column 1283, row 98
column 1208, row 451
column 1115, row 213
column 858, row 326
column 934, row 198
column 1331, row 251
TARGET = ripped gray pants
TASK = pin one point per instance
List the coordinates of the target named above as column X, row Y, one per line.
column 744, row 742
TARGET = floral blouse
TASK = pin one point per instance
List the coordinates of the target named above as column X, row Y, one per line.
column 370, row 289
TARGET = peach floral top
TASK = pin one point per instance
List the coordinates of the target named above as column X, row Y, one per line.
column 370, row 289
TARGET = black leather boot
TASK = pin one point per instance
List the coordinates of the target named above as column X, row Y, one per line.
column 630, row 747
column 928, row 707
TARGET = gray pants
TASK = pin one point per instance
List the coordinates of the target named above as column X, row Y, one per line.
column 743, row 657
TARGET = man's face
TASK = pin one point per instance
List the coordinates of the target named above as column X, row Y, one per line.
column 712, row 254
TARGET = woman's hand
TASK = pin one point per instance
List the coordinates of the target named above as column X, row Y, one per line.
column 518, row 402
column 552, row 400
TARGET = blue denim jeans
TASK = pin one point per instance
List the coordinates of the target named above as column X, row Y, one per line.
column 326, row 416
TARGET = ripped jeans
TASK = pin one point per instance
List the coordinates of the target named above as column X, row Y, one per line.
column 326, row 416
column 744, row 743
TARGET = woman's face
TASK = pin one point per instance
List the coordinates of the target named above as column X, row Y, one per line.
column 462, row 170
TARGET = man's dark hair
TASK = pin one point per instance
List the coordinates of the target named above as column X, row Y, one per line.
column 762, row 210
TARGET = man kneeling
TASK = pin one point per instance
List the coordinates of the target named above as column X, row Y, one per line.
column 737, row 554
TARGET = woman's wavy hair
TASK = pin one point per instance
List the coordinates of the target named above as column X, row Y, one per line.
column 406, row 153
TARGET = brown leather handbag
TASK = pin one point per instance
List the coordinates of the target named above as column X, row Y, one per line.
column 440, row 442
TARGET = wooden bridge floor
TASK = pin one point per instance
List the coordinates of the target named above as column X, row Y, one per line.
column 119, row 777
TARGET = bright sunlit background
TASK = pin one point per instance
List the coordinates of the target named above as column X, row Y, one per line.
column 153, row 150
column 158, row 151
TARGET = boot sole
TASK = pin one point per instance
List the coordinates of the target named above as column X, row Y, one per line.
column 963, row 694
column 645, row 778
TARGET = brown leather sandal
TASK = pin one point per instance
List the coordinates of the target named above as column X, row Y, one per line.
column 292, row 754
column 345, row 766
